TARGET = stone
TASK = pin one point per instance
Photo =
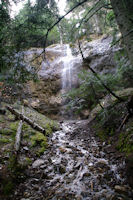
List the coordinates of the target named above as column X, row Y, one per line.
column 121, row 189
column 62, row 150
column 102, row 164
column 38, row 163
column 62, row 169
column 24, row 199
column 26, row 148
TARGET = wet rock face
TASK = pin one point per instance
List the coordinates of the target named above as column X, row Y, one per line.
column 100, row 54
column 46, row 95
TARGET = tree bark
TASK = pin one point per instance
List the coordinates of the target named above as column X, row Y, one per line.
column 19, row 134
column 26, row 119
column 123, row 10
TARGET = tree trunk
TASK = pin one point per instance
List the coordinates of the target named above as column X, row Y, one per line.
column 26, row 119
column 123, row 10
column 19, row 134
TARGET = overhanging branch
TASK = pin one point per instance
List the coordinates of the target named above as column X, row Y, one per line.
column 48, row 30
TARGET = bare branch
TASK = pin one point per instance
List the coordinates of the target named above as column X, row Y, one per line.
column 97, row 76
column 96, row 4
column 46, row 36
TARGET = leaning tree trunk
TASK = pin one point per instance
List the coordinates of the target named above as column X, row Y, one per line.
column 123, row 10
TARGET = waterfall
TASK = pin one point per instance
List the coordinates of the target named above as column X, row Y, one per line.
column 67, row 79
column 67, row 72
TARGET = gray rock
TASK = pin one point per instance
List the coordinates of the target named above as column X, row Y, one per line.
column 26, row 148
column 24, row 199
column 37, row 163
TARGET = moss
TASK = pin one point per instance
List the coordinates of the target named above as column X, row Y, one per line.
column 51, row 126
column 125, row 141
column 101, row 134
column 8, row 187
column 4, row 140
column 25, row 127
column 41, row 151
column 27, row 161
column 48, row 128
column 2, row 120
column 16, row 169
column 12, row 162
column 13, row 127
column 5, row 131
column 39, row 140
column 10, row 117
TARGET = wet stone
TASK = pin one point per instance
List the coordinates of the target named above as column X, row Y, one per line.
column 59, row 169
column 121, row 189
column 37, row 163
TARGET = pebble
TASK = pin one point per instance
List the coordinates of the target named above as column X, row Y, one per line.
column 38, row 163
column 26, row 148
column 24, row 199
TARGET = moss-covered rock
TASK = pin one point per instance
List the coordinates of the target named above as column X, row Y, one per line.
column 40, row 141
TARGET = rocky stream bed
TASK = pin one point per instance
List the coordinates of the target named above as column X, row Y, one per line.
column 76, row 166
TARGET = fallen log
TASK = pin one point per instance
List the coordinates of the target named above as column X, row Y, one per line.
column 19, row 134
column 26, row 119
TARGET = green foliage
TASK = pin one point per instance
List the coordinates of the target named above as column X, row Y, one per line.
column 8, row 187
column 27, row 161
column 90, row 90
column 14, row 127
column 4, row 140
column 125, row 70
column 26, row 30
column 104, row 118
column 125, row 141
column 34, row 22
column 110, row 18
column 39, row 140
column 5, row 131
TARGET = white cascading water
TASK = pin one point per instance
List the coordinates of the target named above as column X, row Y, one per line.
column 67, row 72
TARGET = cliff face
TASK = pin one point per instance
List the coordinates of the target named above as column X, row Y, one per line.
column 46, row 94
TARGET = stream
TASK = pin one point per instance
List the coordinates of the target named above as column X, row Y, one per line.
column 75, row 167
